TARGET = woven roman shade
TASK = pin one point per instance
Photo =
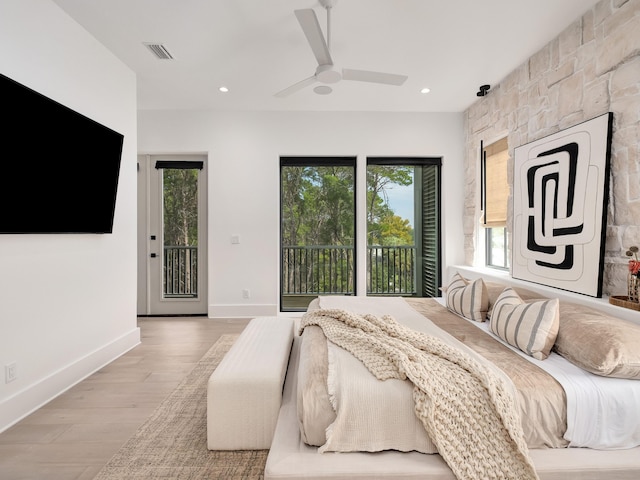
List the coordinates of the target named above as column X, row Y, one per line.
column 495, row 183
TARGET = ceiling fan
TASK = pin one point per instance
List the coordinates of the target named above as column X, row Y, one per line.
column 327, row 72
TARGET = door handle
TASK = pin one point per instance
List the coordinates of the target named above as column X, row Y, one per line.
column 153, row 255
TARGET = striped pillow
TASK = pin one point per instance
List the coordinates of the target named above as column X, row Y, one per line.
column 470, row 300
column 530, row 327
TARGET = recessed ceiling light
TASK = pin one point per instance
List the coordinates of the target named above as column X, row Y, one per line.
column 425, row 90
column 223, row 89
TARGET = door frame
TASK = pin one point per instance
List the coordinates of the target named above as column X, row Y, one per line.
column 150, row 299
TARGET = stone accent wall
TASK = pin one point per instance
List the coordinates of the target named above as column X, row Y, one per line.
column 591, row 68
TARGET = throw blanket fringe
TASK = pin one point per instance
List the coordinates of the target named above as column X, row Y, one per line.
column 467, row 411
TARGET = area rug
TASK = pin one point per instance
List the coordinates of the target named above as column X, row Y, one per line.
column 172, row 442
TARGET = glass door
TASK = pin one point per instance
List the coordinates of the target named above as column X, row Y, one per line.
column 176, row 236
column 317, row 229
column 403, row 226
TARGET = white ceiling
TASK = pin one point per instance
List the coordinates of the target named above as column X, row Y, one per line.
column 257, row 48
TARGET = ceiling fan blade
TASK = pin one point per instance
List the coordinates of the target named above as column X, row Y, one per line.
column 296, row 86
column 311, row 28
column 373, row 77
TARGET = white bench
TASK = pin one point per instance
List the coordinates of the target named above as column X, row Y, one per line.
column 244, row 392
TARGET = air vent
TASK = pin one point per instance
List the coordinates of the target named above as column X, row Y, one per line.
column 159, row 51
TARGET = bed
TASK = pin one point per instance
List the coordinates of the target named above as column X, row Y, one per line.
column 337, row 420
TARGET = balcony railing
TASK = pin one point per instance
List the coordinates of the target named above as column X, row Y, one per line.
column 329, row 270
column 309, row 271
column 318, row 270
column 180, row 272
column 391, row 270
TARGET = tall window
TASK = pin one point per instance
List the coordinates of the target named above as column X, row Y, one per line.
column 317, row 222
column 403, row 226
column 495, row 194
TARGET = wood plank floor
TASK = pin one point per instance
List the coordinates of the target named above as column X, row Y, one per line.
column 74, row 435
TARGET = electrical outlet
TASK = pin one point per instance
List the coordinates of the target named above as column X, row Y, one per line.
column 246, row 293
column 10, row 372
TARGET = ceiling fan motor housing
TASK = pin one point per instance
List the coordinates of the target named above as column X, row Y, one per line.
column 328, row 74
column 328, row 3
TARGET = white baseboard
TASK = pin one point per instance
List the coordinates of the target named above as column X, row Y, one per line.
column 242, row 311
column 28, row 400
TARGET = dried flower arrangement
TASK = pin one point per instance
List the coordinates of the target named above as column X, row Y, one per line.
column 633, row 280
column 634, row 265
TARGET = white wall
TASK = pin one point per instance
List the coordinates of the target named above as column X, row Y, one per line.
column 244, row 151
column 67, row 302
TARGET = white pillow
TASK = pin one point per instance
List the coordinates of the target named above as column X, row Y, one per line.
column 530, row 327
column 469, row 299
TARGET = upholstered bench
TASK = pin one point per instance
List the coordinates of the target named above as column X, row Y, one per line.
column 244, row 392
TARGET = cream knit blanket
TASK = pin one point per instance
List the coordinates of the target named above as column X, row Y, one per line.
column 466, row 411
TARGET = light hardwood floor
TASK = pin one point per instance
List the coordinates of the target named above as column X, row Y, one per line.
column 75, row 434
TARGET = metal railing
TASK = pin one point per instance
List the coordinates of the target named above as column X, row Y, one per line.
column 326, row 270
column 180, row 272
column 391, row 270
column 317, row 270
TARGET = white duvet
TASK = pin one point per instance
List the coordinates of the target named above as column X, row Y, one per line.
column 602, row 413
column 594, row 403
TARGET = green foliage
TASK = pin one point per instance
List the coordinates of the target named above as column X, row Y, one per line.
column 318, row 209
column 317, row 206
column 180, row 207
column 395, row 230
column 383, row 226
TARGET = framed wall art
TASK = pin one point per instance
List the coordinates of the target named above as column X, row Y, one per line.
column 560, row 197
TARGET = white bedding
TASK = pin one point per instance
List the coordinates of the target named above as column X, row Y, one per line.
column 594, row 402
column 289, row 457
column 389, row 402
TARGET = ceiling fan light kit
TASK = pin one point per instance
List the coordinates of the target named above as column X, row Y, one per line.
column 326, row 71
column 323, row 90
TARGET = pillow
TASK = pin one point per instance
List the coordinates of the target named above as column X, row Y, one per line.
column 495, row 289
column 467, row 299
column 599, row 343
column 530, row 327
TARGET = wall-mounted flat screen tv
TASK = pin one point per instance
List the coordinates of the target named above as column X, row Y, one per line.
column 58, row 168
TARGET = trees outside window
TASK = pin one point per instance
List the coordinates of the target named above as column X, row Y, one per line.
column 318, row 247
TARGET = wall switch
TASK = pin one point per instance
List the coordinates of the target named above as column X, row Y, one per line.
column 10, row 372
column 235, row 239
column 246, row 293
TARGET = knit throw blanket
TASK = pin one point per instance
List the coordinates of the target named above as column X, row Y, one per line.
column 466, row 410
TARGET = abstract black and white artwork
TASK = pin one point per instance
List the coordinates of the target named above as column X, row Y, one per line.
column 560, row 196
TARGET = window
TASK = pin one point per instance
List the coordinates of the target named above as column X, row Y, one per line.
column 494, row 196
column 496, row 247
column 318, row 254
column 403, row 226
column 317, row 229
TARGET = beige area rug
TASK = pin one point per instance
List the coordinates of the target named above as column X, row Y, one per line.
column 172, row 443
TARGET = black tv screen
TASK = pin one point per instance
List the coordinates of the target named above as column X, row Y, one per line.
column 58, row 168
